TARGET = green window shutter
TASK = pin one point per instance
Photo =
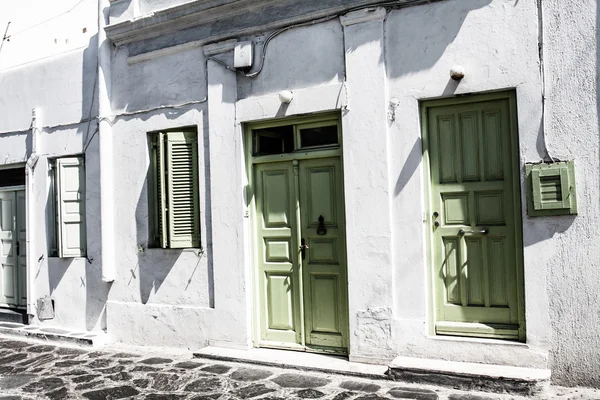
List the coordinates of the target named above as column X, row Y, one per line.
column 182, row 186
column 160, row 192
column 70, row 188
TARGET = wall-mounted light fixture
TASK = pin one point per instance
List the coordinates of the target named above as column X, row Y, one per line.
column 286, row 97
column 457, row 72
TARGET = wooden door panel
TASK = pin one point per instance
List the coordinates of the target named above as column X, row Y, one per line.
column 8, row 253
column 489, row 208
column 325, row 303
column 324, row 264
column 324, row 251
column 277, row 258
column 321, row 195
column 493, row 145
column 469, row 142
column 278, row 250
column 276, row 207
column 280, row 301
column 8, row 284
column 498, row 274
column 475, row 257
column 21, row 278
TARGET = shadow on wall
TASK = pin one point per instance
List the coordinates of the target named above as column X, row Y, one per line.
column 154, row 264
column 96, row 291
column 446, row 20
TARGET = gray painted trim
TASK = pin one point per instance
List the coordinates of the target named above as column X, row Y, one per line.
column 217, row 20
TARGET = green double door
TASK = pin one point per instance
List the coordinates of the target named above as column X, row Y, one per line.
column 475, row 217
column 301, row 256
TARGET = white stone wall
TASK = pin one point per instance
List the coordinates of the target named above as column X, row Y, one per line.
column 356, row 65
column 50, row 64
column 569, row 248
column 496, row 43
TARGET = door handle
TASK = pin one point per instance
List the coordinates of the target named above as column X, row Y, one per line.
column 473, row 232
column 303, row 248
column 18, row 249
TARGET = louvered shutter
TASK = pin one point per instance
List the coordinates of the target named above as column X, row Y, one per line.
column 70, row 184
column 182, row 186
column 160, row 191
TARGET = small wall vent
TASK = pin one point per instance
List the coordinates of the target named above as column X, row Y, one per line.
column 551, row 189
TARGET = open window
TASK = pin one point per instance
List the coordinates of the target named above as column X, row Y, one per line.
column 67, row 216
column 174, row 158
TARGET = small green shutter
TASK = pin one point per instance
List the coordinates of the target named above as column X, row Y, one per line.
column 70, row 184
column 182, row 186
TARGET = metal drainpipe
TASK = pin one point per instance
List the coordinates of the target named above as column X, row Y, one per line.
column 107, row 213
column 30, row 219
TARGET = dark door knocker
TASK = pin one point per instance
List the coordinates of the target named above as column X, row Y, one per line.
column 321, row 230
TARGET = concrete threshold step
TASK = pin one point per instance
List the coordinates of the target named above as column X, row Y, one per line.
column 295, row 360
column 52, row 334
column 471, row 376
column 13, row 315
column 457, row 375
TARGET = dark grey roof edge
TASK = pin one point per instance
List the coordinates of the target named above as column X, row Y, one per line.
column 201, row 12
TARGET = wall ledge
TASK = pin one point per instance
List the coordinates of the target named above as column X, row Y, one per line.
column 366, row 15
column 206, row 12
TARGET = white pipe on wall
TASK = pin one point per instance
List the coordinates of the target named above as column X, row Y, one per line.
column 107, row 212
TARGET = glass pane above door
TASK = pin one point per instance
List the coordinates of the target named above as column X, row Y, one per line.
column 276, row 140
column 319, row 136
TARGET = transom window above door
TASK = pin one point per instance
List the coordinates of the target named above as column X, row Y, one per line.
column 296, row 135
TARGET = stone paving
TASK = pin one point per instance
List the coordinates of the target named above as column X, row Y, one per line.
column 30, row 370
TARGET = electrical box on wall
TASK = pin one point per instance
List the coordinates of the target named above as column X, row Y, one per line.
column 551, row 189
column 242, row 55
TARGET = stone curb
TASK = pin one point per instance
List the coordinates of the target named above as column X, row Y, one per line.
column 276, row 364
column 470, row 382
column 66, row 338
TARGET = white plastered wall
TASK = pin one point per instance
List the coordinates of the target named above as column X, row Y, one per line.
column 496, row 42
column 166, row 298
column 567, row 248
column 49, row 64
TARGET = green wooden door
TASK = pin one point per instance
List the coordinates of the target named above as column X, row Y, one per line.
column 475, row 217
column 10, row 262
column 301, row 262
column 324, row 262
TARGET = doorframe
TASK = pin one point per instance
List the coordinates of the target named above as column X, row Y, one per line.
column 20, row 188
column 424, row 105
column 250, row 161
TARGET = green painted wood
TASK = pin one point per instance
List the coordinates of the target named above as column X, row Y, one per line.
column 324, row 266
column 182, row 187
column 160, row 192
column 277, row 255
column 8, row 249
column 71, row 207
column 551, row 189
column 302, row 297
column 21, row 233
column 472, row 171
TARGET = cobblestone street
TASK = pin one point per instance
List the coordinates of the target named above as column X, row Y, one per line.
column 31, row 370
